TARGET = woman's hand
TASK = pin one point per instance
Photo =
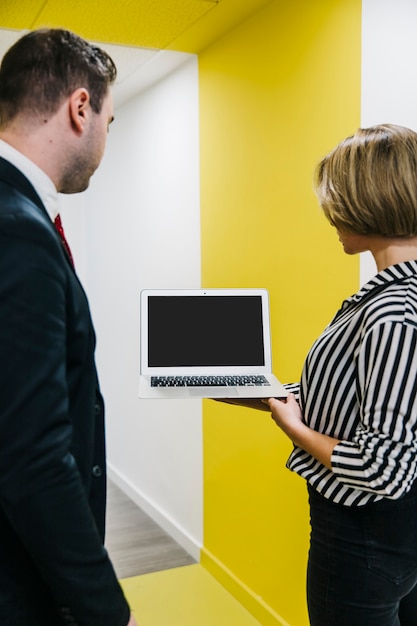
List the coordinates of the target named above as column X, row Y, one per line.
column 288, row 416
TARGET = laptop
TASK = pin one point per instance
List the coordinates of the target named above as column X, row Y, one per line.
column 206, row 343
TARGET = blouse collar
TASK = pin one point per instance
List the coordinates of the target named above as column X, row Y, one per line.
column 390, row 274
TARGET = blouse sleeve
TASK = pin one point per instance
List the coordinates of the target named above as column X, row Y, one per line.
column 293, row 388
column 382, row 458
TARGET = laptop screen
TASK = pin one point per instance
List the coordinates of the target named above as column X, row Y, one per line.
column 205, row 331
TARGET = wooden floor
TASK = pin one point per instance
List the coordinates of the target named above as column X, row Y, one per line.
column 136, row 544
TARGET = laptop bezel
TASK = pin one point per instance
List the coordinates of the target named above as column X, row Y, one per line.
column 145, row 370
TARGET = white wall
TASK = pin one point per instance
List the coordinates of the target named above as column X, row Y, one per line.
column 138, row 226
column 389, row 83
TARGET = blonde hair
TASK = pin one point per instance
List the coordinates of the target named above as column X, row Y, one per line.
column 368, row 183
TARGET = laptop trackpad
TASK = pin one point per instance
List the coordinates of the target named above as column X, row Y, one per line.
column 212, row 392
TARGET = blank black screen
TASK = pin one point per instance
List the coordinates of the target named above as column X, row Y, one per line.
column 188, row 331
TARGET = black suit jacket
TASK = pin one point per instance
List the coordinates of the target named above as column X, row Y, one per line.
column 53, row 566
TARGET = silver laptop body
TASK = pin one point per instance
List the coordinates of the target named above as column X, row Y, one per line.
column 206, row 343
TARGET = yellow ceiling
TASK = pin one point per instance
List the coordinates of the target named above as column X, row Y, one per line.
column 182, row 25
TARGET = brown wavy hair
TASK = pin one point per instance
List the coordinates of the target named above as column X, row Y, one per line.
column 368, row 183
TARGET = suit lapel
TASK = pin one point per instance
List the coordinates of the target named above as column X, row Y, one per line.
column 11, row 175
column 14, row 177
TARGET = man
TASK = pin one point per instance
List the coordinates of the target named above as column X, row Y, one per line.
column 55, row 110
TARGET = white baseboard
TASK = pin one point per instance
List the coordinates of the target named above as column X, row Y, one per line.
column 184, row 539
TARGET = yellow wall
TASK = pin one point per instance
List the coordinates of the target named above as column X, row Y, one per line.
column 276, row 93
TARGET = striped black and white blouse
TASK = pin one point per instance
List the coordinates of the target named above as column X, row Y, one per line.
column 359, row 385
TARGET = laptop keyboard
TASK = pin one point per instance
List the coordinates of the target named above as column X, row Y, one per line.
column 209, row 381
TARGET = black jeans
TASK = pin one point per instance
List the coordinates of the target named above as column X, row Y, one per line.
column 362, row 568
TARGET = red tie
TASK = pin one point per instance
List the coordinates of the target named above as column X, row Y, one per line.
column 58, row 226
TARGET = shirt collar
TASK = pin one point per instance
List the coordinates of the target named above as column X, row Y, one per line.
column 388, row 275
column 42, row 184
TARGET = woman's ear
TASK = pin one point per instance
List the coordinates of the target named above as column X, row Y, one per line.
column 79, row 108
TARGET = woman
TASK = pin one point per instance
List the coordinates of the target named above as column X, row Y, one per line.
column 354, row 424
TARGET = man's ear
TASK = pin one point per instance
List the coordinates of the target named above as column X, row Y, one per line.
column 79, row 108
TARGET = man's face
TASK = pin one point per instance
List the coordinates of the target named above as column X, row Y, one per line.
column 83, row 162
